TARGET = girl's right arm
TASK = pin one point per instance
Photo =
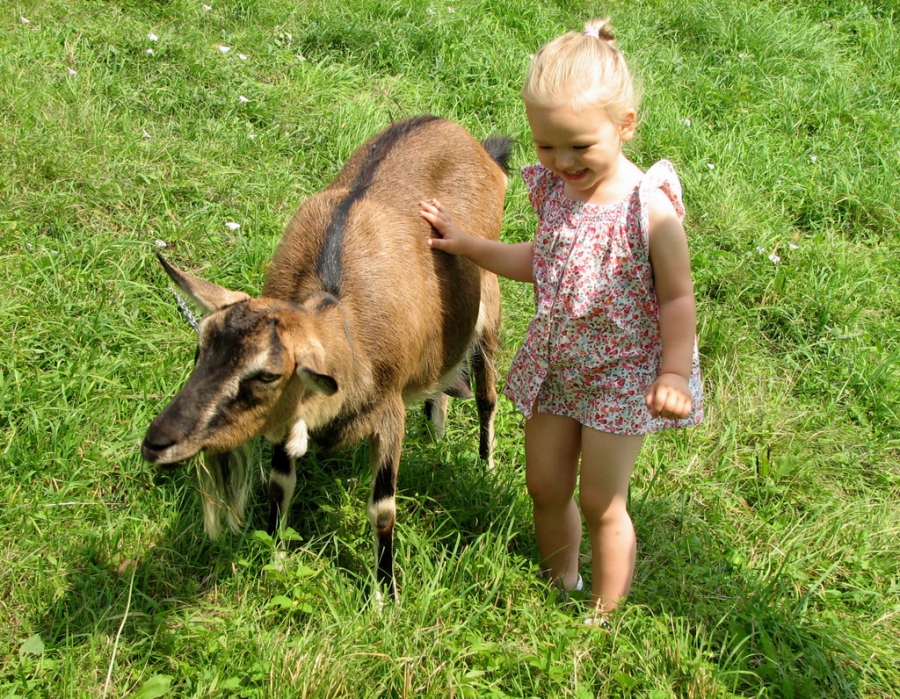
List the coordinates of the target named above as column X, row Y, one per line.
column 510, row 260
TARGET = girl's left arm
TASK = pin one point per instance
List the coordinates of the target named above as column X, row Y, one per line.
column 670, row 396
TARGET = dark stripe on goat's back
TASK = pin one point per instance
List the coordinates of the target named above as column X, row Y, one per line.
column 328, row 265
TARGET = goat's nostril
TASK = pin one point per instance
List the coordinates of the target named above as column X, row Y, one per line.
column 153, row 446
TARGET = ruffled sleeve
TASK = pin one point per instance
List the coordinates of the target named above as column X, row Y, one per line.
column 662, row 176
column 537, row 181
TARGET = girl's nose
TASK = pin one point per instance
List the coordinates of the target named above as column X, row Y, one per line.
column 564, row 160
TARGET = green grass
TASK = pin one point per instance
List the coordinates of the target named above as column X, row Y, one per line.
column 767, row 562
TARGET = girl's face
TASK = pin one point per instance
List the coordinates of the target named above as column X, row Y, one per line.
column 583, row 146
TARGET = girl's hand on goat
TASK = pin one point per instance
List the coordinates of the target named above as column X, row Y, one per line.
column 669, row 397
column 452, row 238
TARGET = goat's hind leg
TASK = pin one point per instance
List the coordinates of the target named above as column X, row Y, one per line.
column 486, row 345
column 282, row 481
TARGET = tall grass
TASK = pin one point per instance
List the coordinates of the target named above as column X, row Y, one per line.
column 768, row 536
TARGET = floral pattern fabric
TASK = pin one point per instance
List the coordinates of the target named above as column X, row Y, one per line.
column 593, row 346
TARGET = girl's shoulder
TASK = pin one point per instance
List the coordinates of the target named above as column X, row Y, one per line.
column 538, row 177
column 660, row 187
column 541, row 185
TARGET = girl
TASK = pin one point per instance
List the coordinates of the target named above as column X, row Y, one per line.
column 610, row 354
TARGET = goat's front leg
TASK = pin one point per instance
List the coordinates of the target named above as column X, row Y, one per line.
column 384, row 446
column 282, row 481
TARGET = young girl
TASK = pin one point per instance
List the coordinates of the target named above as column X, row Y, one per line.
column 610, row 354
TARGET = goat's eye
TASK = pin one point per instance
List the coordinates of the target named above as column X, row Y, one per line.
column 266, row 377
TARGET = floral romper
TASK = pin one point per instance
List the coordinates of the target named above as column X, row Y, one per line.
column 593, row 346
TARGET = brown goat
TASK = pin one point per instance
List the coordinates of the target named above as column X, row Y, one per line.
column 358, row 318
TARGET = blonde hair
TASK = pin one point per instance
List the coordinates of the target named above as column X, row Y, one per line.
column 582, row 70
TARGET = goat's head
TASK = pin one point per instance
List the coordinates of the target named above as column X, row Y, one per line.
column 256, row 359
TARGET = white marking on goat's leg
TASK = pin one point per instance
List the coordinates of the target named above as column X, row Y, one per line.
column 482, row 318
column 282, row 481
column 297, row 441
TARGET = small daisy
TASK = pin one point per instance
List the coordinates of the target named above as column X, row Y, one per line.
column 72, row 71
column 794, row 246
column 686, row 122
column 152, row 37
column 813, row 158
column 710, row 166
column 224, row 49
column 774, row 258
column 243, row 99
column 206, row 7
column 160, row 243
column 242, row 57
column 232, row 226
column 760, row 249
column 150, row 52
column 24, row 20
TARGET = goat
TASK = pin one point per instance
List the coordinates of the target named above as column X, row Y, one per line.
column 358, row 318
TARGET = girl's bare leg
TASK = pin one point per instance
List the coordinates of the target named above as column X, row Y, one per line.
column 552, row 445
column 607, row 461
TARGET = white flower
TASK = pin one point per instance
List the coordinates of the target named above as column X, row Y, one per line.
column 160, row 243
column 224, row 49
column 742, row 55
column 775, row 259
column 813, row 158
column 152, row 37
column 760, row 249
column 232, row 226
column 243, row 99
column 145, row 134
column 149, row 52
column 251, row 136
column 206, row 7
column 242, row 57
column 794, row 246
column 450, row 10
column 686, row 122
column 710, row 166
column 72, row 71
column 301, row 57
column 24, row 20
column 430, row 11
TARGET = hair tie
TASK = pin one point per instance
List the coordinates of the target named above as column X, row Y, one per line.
column 592, row 33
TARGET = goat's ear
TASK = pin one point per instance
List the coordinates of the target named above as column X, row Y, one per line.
column 320, row 383
column 311, row 369
column 208, row 296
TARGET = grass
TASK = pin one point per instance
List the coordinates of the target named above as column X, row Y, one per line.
column 768, row 536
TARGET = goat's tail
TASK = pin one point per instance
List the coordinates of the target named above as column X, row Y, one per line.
column 225, row 480
column 499, row 148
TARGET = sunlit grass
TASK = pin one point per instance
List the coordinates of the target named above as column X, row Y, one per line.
column 767, row 555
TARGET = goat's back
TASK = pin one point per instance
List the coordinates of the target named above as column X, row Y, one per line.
column 411, row 310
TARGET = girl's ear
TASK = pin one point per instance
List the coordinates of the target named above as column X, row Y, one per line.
column 628, row 125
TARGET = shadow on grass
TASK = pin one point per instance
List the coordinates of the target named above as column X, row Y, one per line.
column 444, row 489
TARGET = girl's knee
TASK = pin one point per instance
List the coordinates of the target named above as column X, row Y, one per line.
column 547, row 492
column 599, row 512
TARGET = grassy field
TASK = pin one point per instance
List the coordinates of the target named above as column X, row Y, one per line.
column 768, row 537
